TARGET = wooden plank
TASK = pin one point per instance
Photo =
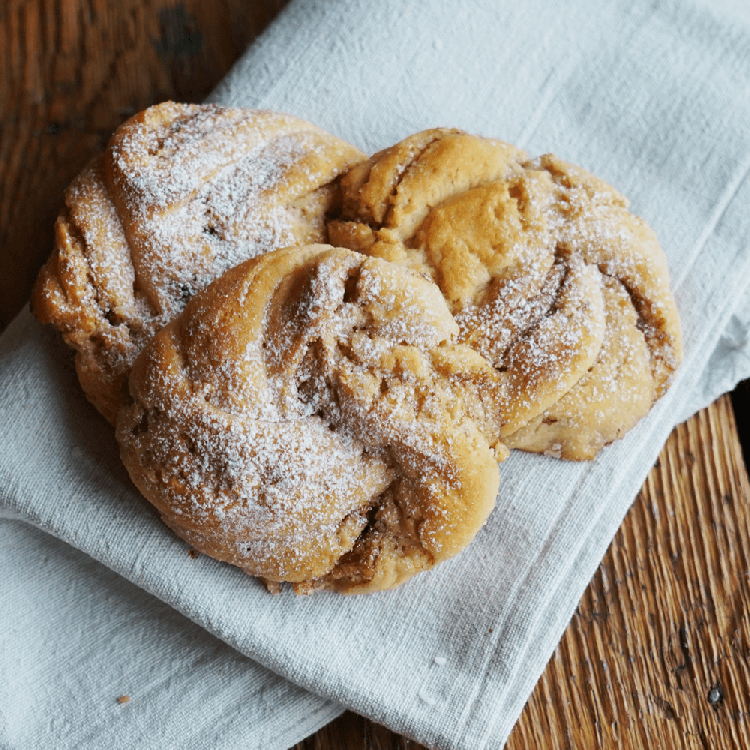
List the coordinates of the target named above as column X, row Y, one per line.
column 658, row 651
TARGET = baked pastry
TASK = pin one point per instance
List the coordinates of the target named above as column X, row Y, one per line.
column 547, row 273
column 309, row 418
column 182, row 193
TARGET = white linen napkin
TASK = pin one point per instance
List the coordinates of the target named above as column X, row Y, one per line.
column 91, row 661
column 655, row 99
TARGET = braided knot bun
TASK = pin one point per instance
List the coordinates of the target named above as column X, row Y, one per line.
column 547, row 273
column 182, row 193
column 310, row 419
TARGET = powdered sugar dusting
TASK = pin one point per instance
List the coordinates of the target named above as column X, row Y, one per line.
column 183, row 193
column 348, row 418
column 202, row 204
column 524, row 258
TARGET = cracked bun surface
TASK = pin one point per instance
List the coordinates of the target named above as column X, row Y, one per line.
column 182, row 193
column 310, row 418
column 547, row 273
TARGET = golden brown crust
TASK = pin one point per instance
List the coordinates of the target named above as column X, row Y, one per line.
column 86, row 289
column 548, row 274
column 309, row 419
column 182, row 193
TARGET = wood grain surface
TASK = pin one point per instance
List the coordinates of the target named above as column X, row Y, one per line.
column 658, row 652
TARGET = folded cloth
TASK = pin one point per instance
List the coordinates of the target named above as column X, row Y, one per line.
column 651, row 97
column 91, row 661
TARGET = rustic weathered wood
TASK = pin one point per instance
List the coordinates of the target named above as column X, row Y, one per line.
column 658, row 653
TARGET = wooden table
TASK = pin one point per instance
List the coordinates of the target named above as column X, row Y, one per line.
column 658, row 652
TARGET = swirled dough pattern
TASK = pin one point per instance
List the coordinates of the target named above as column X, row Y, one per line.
column 310, row 419
column 182, row 193
column 547, row 273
